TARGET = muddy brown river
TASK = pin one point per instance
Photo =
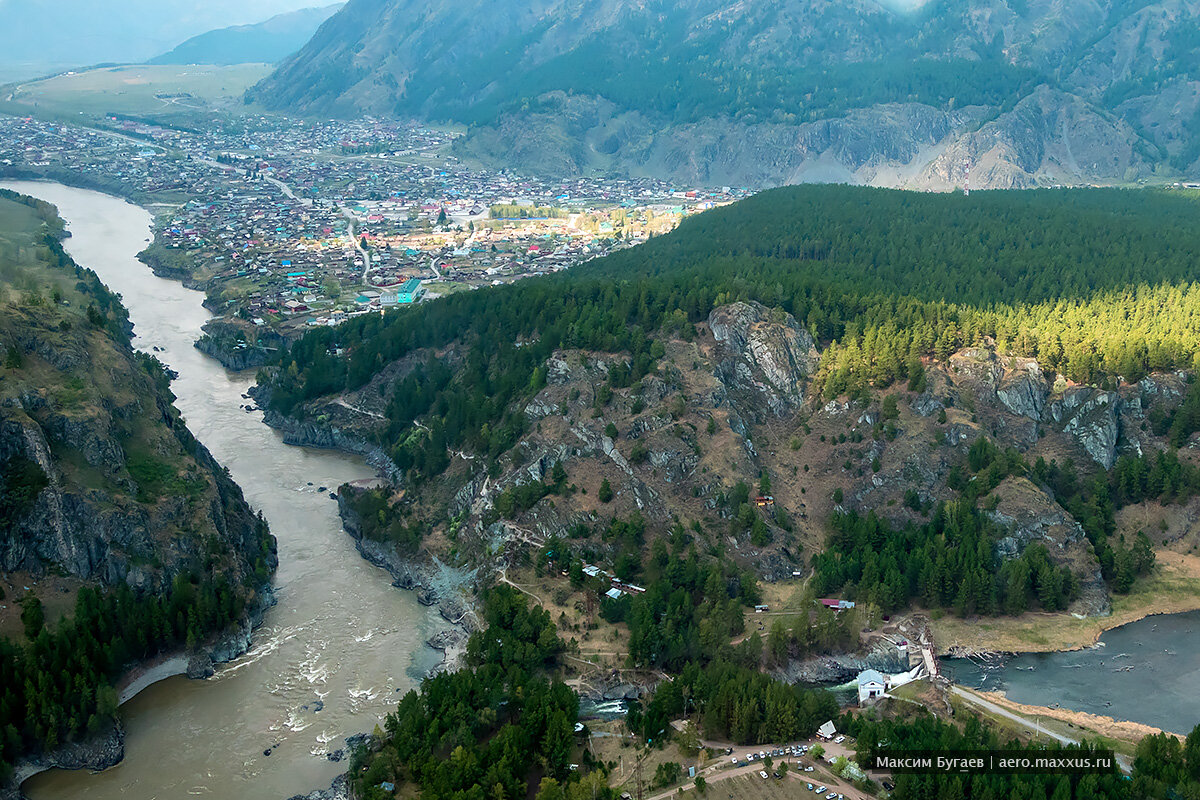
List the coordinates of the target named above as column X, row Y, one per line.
column 341, row 639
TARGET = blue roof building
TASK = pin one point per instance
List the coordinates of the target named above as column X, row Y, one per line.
column 410, row 291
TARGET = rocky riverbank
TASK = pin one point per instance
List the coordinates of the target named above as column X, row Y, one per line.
column 238, row 346
column 160, row 265
column 338, row 790
column 107, row 749
column 434, row 582
column 325, row 437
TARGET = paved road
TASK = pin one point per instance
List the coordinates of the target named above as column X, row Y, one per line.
column 987, row 705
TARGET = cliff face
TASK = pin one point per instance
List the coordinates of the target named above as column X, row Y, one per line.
column 1018, row 94
column 102, row 485
column 736, row 402
column 130, row 496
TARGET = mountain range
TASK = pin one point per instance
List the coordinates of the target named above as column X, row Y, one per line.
column 1016, row 93
column 38, row 37
column 264, row 42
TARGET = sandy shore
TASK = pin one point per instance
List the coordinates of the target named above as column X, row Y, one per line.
column 1105, row 726
column 153, row 671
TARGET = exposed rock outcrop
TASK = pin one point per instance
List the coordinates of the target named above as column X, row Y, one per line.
column 1090, row 415
column 842, row 667
column 238, row 347
column 765, row 353
column 1023, row 391
column 434, row 582
column 338, row 790
column 1031, row 515
column 328, row 437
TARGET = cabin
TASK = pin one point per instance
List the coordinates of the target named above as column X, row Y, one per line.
column 837, row 605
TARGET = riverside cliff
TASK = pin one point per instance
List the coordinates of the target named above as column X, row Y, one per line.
column 109, row 507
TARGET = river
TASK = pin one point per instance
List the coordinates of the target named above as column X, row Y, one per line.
column 1146, row 671
column 340, row 634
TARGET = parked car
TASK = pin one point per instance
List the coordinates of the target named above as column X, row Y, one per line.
column 810, row 786
column 839, row 739
column 821, row 789
column 762, row 773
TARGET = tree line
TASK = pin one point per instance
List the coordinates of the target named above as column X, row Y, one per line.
column 1095, row 284
column 500, row 728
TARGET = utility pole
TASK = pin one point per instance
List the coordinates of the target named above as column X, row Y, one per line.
column 637, row 769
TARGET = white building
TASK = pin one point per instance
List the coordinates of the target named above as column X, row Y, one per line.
column 871, row 685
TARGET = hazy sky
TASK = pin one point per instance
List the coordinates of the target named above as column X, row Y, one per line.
column 81, row 32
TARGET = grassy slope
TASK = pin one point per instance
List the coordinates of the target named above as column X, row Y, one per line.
column 110, row 395
column 132, row 90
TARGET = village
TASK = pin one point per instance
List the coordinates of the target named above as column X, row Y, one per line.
column 290, row 225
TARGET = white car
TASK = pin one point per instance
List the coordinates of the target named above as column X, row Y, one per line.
column 762, row 774
column 821, row 789
column 839, row 740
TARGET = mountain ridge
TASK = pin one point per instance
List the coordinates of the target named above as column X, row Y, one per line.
column 1021, row 94
column 265, row 42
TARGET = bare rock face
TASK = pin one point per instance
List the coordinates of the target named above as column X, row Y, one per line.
column 978, row 368
column 99, row 533
column 1090, row 415
column 1031, row 515
column 766, row 352
column 1023, row 391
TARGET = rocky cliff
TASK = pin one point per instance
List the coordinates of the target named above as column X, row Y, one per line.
column 736, row 403
column 103, row 486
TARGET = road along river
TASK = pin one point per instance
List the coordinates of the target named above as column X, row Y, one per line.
column 331, row 657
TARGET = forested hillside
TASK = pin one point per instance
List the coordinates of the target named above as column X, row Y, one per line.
column 1096, row 285
column 920, row 387
column 120, row 536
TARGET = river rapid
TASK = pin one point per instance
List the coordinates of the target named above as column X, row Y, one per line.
column 334, row 654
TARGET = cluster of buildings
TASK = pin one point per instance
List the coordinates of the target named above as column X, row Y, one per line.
column 292, row 224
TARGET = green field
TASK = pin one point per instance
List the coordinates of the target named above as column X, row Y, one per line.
column 176, row 90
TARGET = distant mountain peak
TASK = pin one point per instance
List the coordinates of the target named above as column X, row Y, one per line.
column 265, row 42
